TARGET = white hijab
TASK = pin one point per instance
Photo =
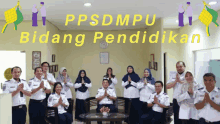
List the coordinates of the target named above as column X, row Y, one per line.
column 60, row 76
column 186, row 84
column 180, row 9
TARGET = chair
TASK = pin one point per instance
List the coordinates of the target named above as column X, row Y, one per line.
column 90, row 102
column 71, row 102
column 166, row 115
column 120, row 102
column 51, row 115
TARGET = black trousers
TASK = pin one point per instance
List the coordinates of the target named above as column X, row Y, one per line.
column 202, row 121
column 135, row 112
column 190, row 121
column 37, row 111
column 176, row 109
column 152, row 117
column 19, row 114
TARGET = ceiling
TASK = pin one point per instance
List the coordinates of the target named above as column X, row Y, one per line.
column 58, row 9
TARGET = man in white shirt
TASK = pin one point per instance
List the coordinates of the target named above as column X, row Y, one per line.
column 207, row 101
column 47, row 76
column 158, row 101
column 175, row 81
column 37, row 105
column 105, row 97
column 19, row 89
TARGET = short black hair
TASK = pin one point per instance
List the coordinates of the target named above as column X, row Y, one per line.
column 44, row 63
column 181, row 62
column 55, row 84
column 14, row 68
column 209, row 75
column 160, row 82
column 37, row 68
column 105, row 79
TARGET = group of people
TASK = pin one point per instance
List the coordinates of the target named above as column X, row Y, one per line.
column 181, row 11
column 192, row 102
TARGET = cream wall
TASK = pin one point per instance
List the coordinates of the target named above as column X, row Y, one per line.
column 172, row 51
column 205, row 42
column 120, row 56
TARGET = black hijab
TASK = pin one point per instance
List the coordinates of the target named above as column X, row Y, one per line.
column 133, row 75
column 83, row 88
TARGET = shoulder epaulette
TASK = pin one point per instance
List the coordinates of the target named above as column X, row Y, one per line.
column 218, row 88
column 165, row 93
column 31, row 78
column 201, row 88
column 153, row 92
column 7, row 81
column 53, row 93
column 23, row 80
column 100, row 88
column 110, row 88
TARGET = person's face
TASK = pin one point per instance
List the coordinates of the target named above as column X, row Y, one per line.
column 158, row 87
column 180, row 68
column 16, row 73
column 45, row 67
column 189, row 77
column 109, row 71
column 38, row 72
column 209, row 83
column 82, row 74
column 58, row 88
column 105, row 84
column 146, row 73
column 64, row 72
column 130, row 70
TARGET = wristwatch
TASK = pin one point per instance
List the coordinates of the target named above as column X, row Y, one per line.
column 153, row 103
column 45, row 88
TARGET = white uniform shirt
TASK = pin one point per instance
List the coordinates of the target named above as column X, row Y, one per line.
column 208, row 112
column 146, row 91
column 35, row 83
column 54, row 99
column 131, row 92
column 114, row 82
column 172, row 78
column 163, row 98
column 186, row 101
column 66, row 89
column 11, row 86
column 82, row 95
column 106, row 100
column 50, row 77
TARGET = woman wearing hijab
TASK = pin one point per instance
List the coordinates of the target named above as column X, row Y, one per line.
column 66, row 82
column 56, row 99
column 188, row 113
column 146, row 87
column 34, row 15
column 82, row 93
column 130, row 82
column 181, row 17
column 112, row 79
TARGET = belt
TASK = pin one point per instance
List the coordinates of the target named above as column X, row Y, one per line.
column 38, row 101
column 18, row 107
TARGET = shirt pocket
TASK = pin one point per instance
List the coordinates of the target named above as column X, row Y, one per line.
column 12, row 88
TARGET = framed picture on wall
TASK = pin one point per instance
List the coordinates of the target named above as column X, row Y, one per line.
column 36, row 59
column 53, row 57
column 51, row 69
column 150, row 66
column 152, row 57
column 104, row 58
column 56, row 68
column 155, row 66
